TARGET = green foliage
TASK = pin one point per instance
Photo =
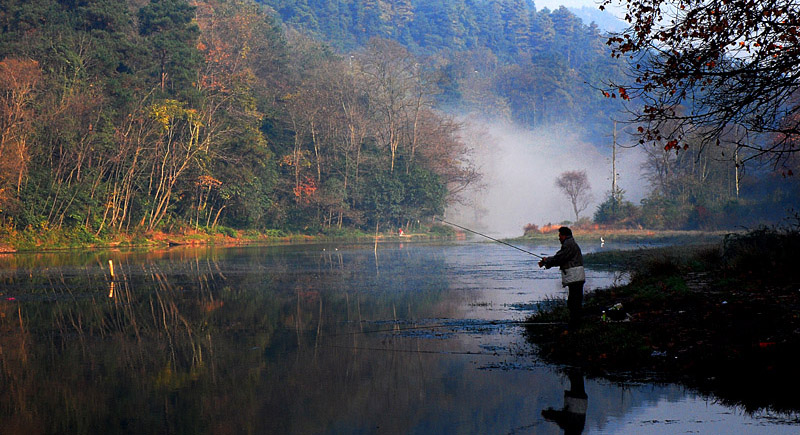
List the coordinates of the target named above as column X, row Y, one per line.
column 171, row 35
column 705, row 190
column 226, row 231
column 425, row 193
column 441, row 230
column 345, row 233
column 661, row 213
column 275, row 233
column 383, row 198
column 615, row 210
column 392, row 198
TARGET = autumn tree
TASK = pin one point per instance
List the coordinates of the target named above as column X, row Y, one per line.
column 241, row 53
column 690, row 189
column 18, row 81
column 448, row 156
column 180, row 143
column 575, row 185
column 127, row 168
column 700, row 68
column 396, row 92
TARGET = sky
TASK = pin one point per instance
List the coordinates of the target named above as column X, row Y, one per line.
column 554, row 4
column 577, row 4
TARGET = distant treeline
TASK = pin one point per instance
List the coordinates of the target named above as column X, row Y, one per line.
column 505, row 58
column 501, row 58
column 705, row 189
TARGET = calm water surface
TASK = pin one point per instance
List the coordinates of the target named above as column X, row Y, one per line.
column 308, row 339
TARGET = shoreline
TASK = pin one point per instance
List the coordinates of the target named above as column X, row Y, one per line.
column 633, row 235
column 721, row 320
column 56, row 240
column 59, row 241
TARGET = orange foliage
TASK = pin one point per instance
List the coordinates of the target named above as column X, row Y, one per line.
column 227, row 39
column 287, row 160
column 208, row 181
column 305, row 189
column 530, row 228
column 212, row 306
column 549, row 228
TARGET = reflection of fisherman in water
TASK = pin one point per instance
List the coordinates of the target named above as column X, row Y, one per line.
column 572, row 417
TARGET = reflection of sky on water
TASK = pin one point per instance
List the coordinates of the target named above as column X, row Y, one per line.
column 691, row 414
column 306, row 339
column 508, row 281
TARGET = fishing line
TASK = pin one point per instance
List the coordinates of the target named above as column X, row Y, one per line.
column 490, row 238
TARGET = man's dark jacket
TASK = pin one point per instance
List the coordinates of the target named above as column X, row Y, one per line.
column 570, row 260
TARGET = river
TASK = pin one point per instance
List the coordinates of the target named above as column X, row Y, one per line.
column 301, row 339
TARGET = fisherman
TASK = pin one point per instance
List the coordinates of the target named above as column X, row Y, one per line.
column 570, row 260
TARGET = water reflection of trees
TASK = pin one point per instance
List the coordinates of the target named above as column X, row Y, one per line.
column 276, row 340
column 94, row 353
column 176, row 341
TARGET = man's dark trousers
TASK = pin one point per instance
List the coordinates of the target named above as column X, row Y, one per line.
column 574, row 302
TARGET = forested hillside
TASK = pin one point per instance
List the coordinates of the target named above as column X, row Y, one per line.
column 501, row 58
column 144, row 115
column 540, row 68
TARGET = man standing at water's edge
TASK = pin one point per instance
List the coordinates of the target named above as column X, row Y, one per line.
column 570, row 260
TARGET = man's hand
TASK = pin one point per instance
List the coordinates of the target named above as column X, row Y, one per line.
column 541, row 262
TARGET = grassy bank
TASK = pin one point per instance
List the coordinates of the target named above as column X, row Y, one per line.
column 37, row 239
column 630, row 236
column 721, row 318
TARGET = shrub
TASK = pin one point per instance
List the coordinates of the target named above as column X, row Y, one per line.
column 765, row 249
column 442, row 230
column 529, row 229
column 227, row 231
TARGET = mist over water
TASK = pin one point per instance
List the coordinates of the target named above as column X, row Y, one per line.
column 520, row 166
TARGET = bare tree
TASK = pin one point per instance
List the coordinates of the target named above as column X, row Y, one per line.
column 390, row 72
column 702, row 69
column 18, row 81
column 575, row 184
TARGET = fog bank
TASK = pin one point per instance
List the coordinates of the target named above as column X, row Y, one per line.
column 519, row 170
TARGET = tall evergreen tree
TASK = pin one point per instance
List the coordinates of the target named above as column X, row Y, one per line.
column 168, row 28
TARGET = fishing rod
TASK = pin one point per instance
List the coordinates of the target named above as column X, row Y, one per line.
column 490, row 238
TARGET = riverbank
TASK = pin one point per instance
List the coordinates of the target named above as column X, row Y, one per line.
column 720, row 318
column 58, row 239
column 592, row 235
